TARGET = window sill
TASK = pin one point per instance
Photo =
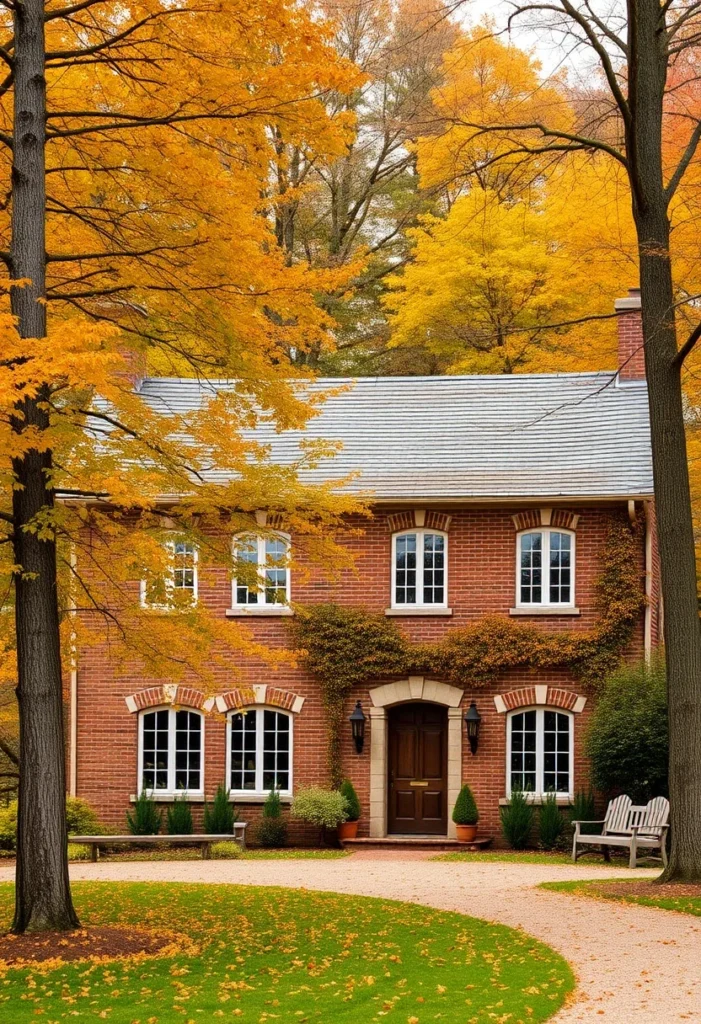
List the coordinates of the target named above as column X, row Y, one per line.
column 418, row 611
column 562, row 800
column 552, row 609
column 250, row 613
column 170, row 798
column 255, row 798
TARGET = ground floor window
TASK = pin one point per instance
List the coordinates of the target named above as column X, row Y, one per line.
column 170, row 751
column 260, row 751
column 539, row 751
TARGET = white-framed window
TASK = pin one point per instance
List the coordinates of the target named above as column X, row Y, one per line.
column 545, row 568
column 259, row 751
column 420, row 569
column 263, row 571
column 171, row 746
column 178, row 586
column 539, row 751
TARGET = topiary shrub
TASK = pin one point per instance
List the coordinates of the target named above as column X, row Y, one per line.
column 551, row 824
column 145, row 819
column 347, row 791
column 465, row 811
column 271, row 831
column 627, row 740
column 225, row 851
column 179, row 818
column 325, row 808
column 220, row 817
column 517, row 820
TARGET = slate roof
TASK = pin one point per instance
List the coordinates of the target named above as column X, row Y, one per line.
column 579, row 435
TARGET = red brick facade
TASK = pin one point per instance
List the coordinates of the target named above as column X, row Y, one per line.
column 481, row 580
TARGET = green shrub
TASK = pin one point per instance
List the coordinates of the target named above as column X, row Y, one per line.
column 347, row 791
column 226, row 851
column 271, row 831
column 323, row 807
column 465, row 811
column 627, row 739
column 81, row 818
column 145, row 819
column 551, row 824
column 517, row 820
column 78, row 851
column 584, row 809
column 179, row 818
column 220, row 817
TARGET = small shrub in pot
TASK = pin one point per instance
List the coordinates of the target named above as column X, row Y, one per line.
column 465, row 815
column 348, row 829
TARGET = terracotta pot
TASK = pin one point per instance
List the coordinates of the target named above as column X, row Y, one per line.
column 466, row 833
column 348, row 830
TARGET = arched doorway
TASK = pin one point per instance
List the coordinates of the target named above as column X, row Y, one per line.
column 417, row 777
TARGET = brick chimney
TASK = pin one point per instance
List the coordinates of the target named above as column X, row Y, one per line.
column 631, row 353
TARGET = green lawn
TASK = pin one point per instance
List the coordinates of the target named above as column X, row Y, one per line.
column 285, row 955
column 529, row 857
column 663, row 898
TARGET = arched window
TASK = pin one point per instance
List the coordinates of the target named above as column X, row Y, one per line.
column 545, row 569
column 178, row 586
column 420, row 569
column 171, row 744
column 263, row 575
column 539, row 751
column 259, row 751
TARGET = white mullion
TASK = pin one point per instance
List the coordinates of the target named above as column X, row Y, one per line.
column 259, row 751
column 261, row 570
column 419, row 567
column 539, row 751
column 171, row 750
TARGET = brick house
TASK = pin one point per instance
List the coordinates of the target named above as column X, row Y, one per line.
column 478, row 483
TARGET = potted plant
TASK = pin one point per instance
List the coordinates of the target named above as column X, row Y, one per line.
column 465, row 815
column 348, row 829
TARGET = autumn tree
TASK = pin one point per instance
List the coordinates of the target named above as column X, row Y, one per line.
column 136, row 151
column 645, row 60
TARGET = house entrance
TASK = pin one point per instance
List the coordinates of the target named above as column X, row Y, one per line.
column 417, row 769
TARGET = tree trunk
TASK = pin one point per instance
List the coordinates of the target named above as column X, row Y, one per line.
column 43, row 897
column 648, row 61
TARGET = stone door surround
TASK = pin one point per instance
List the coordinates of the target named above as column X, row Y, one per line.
column 415, row 688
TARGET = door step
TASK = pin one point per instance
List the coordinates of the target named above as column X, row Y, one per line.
column 435, row 843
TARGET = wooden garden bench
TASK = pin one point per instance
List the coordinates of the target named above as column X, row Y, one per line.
column 203, row 841
column 627, row 825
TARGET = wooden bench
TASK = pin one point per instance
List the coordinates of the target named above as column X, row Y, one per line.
column 203, row 841
column 629, row 826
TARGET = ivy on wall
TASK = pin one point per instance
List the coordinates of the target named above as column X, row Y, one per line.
column 346, row 647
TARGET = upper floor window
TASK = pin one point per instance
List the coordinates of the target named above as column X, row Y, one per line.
column 419, row 569
column 539, row 751
column 263, row 575
column 260, row 751
column 170, row 751
column 178, row 585
column 545, row 568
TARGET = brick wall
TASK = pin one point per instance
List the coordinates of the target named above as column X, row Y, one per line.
column 481, row 580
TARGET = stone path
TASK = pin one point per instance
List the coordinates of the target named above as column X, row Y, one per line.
column 634, row 965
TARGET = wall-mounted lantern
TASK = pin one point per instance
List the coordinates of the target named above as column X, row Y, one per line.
column 357, row 721
column 472, row 722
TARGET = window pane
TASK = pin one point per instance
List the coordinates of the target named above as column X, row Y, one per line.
column 531, row 568
column 155, row 750
column 276, row 735
column 556, row 766
column 188, row 733
column 243, row 750
column 275, row 571
column 184, row 567
column 247, row 570
column 405, row 569
column 560, row 568
column 434, row 569
column 523, row 746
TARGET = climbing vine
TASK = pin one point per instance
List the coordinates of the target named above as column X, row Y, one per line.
column 346, row 647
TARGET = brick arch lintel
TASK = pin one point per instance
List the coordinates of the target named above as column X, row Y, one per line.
column 416, row 688
column 169, row 693
column 529, row 696
column 430, row 519
column 557, row 517
column 259, row 693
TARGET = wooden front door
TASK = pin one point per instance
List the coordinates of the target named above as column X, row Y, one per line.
column 417, row 770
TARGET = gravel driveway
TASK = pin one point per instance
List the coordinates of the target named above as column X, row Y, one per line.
column 634, row 965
